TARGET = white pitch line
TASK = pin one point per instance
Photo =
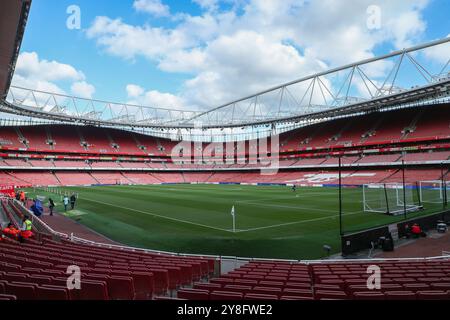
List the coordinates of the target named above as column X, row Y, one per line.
column 182, row 187
column 296, row 222
column 288, row 207
column 297, row 196
column 227, row 230
column 157, row 215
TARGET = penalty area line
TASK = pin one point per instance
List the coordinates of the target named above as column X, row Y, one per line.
column 296, row 222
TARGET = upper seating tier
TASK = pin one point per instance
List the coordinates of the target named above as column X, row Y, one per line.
column 424, row 123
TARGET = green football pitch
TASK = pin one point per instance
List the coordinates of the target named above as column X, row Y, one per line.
column 271, row 221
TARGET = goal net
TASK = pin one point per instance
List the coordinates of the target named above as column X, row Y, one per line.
column 435, row 191
column 389, row 198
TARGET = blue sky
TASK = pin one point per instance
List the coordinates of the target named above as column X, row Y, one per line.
column 201, row 53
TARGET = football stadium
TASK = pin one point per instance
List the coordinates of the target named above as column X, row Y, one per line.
column 291, row 191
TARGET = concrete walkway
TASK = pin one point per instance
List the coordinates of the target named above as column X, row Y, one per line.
column 68, row 226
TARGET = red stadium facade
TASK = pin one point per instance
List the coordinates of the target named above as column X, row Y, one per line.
column 375, row 145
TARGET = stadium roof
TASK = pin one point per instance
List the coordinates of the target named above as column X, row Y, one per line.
column 400, row 79
column 13, row 18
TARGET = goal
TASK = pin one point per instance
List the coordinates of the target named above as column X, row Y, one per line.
column 389, row 198
column 434, row 191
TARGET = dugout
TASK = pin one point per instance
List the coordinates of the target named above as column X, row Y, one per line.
column 362, row 240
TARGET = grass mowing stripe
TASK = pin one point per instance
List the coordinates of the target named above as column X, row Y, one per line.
column 298, row 222
column 274, row 198
column 297, row 208
column 196, row 218
column 156, row 215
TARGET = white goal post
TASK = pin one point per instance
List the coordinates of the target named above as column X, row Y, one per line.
column 434, row 191
column 389, row 198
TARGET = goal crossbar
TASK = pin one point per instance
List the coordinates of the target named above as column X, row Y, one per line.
column 389, row 198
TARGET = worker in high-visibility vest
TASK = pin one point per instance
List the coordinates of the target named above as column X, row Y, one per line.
column 25, row 230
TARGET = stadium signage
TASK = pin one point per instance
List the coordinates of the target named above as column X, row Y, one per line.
column 6, row 189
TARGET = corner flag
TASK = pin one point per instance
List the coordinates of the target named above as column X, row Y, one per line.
column 234, row 219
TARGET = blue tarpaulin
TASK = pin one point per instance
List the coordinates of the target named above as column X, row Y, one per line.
column 37, row 208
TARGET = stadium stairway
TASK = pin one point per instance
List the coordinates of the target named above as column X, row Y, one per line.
column 29, row 269
column 37, row 269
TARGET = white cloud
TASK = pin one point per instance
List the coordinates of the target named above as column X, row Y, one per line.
column 134, row 91
column 36, row 84
column 127, row 41
column 405, row 27
column 83, row 89
column 260, row 43
column 49, row 76
column 441, row 53
column 154, row 7
column 30, row 66
column 183, row 61
column 244, row 63
column 153, row 98
column 207, row 4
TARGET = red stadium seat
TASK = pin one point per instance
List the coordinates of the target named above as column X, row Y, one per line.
column 237, row 288
column 416, row 287
column 52, row 293
column 120, row 288
column 144, row 284
column 297, row 293
column 440, row 286
column 368, row 295
column 13, row 276
column 391, row 287
column 22, row 291
column 193, row 294
column 330, row 295
column 264, row 297
column 267, row 290
column 7, row 297
column 433, row 295
column 40, row 280
column 297, row 298
column 165, row 298
column 174, row 274
column 161, row 280
column 276, row 284
column 328, row 287
column 186, row 274
column 400, row 295
column 302, row 286
column 224, row 295
column 222, row 281
column 207, row 286
column 246, row 282
column 92, row 290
